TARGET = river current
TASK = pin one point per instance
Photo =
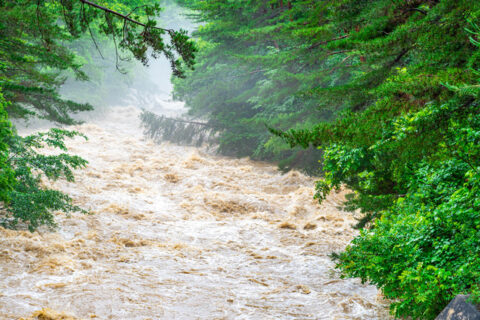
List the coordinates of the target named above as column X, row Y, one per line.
column 178, row 233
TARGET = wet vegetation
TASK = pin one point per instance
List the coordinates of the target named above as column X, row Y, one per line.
column 380, row 96
column 39, row 43
column 388, row 92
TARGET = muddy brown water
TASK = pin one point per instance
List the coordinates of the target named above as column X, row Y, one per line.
column 177, row 233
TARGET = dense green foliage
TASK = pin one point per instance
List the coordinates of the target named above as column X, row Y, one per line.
column 385, row 93
column 7, row 179
column 34, row 52
column 22, row 167
column 424, row 247
column 256, row 67
column 388, row 91
column 29, row 201
column 40, row 47
column 107, row 76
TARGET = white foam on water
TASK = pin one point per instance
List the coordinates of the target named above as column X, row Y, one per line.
column 180, row 234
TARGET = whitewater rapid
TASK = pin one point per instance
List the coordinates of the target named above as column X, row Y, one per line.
column 177, row 233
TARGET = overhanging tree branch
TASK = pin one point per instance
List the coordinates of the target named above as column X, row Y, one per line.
column 180, row 51
column 125, row 17
column 84, row 17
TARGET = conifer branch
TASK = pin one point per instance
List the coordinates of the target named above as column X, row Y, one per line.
column 204, row 124
column 327, row 41
column 399, row 57
column 84, row 17
column 125, row 17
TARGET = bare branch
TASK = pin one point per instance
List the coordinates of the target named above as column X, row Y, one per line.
column 338, row 52
column 40, row 29
column 90, row 31
column 398, row 58
column 189, row 122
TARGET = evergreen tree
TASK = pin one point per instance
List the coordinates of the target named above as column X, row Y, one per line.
column 34, row 61
column 387, row 90
column 33, row 52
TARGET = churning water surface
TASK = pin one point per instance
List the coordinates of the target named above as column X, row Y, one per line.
column 177, row 233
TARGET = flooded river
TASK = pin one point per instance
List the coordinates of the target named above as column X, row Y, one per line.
column 177, row 233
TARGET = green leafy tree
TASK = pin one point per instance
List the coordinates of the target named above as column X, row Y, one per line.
column 33, row 52
column 7, row 179
column 409, row 153
column 388, row 91
column 29, row 203
column 255, row 67
column 21, row 169
column 35, row 59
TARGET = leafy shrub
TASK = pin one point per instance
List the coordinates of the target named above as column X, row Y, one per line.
column 24, row 199
column 30, row 202
column 424, row 247
column 411, row 156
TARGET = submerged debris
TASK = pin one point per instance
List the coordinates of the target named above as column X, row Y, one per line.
column 49, row 314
